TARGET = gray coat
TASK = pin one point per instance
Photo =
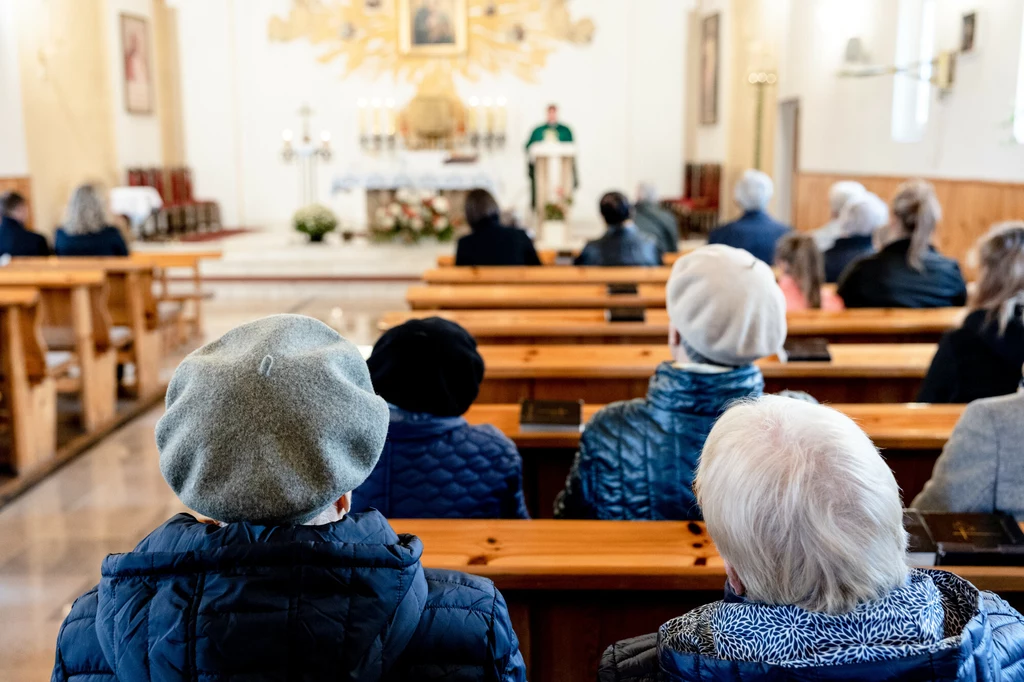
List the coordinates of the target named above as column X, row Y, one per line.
column 981, row 469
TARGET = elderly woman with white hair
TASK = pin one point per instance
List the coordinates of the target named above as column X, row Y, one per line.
column 808, row 520
column 859, row 220
column 755, row 231
column 85, row 231
column 840, row 194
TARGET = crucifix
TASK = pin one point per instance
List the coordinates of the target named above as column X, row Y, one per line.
column 307, row 154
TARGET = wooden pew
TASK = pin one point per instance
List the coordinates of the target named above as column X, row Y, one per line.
column 500, row 327
column 27, row 381
column 133, row 311
column 575, row 587
column 75, row 318
column 911, row 437
column 556, row 274
column 549, row 256
column 530, row 296
column 858, row 373
column 188, row 323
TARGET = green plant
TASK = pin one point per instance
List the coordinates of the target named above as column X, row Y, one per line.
column 315, row 220
column 553, row 211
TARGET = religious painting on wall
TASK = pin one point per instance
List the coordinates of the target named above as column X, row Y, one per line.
column 432, row 27
column 138, row 69
column 373, row 6
column 709, row 53
column 968, row 32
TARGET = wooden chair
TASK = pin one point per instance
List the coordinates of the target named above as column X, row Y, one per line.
column 28, row 374
column 182, row 308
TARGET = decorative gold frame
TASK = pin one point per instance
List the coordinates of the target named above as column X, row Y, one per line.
column 406, row 46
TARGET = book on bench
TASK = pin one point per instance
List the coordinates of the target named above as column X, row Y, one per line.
column 964, row 539
column 562, row 416
column 565, row 258
column 622, row 290
column 625, row 315
column 807, row 350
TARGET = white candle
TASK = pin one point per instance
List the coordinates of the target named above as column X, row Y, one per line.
column 391, row 118
column 287, row 136
column 474, row 116
column 488, row 117
column 501, row 117
column 364, row 124
column 376, row 117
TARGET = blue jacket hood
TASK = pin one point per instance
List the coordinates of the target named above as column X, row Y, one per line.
column 253, row 599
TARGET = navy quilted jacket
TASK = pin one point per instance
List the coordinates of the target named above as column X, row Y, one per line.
column 443, row 468
column 962, row 635
column 637, row 458
column 345, row 601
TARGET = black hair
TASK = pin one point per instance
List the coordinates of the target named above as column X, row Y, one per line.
column 481, row 208
column 615, row 208
column 10, row 202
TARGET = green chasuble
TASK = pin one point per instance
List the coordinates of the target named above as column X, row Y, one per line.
column 558, row 133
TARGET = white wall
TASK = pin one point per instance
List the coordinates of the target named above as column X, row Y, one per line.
column 13, row 154
column 136, row 136
column 846, row 125
column 622, row 95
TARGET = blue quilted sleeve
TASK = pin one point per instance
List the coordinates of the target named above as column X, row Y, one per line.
column 574, row 501
column 1007, row 636
column 513, row 506
column 79, row 656
column 507, row 657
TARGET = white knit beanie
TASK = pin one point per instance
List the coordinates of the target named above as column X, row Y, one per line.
column 726, row 305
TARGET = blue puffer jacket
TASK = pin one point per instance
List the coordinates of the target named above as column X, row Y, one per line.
column 348, row 600
column 443, row 468
column 939, row 628
column 637, row 458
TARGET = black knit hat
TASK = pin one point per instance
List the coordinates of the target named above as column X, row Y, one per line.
column 429, row 365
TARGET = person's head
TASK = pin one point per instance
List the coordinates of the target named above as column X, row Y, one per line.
column 801, row 506
column 481, row 209
column 841, row 193
column 552, row 114
column 863, row 215
column 798, row 256
column 615, row 208
column 427, row 366
column 1001, row 282
column 647, row 193
column 274, row 423
column 754, row 191
column 724, row 308
column 13, row 205
column 917, row 213
column 85, row 212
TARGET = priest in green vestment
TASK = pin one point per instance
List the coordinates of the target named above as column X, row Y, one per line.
column 551, row 131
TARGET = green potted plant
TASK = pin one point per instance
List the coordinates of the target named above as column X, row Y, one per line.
column 315, row 221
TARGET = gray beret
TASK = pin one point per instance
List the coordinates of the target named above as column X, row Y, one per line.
column 271, row 423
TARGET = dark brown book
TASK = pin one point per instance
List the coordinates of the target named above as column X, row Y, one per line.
column 551, row 415
column 622, row 290
column 807, row 350
column 625, row 315
column 565, row 258
column 976, row 539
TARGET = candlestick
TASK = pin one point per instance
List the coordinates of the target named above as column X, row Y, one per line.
column 364, row 124
column 501, row 117
column 488, row 117
column 474, row 116
column 377, row 124
column 390, row 127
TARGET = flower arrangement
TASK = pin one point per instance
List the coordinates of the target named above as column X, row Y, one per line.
column 558, row 209
column 316, row 221
column 412, row 216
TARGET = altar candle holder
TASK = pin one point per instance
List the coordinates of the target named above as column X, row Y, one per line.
column 364, row 123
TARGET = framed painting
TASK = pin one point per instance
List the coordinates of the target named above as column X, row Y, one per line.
column 138, row 65
column 968, row 32
column 432, row 28
column 373, row 6
column 709, row 60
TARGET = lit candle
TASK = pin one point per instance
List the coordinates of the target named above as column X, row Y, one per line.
column 364, row 124
column 391, row 118
column 376, row 117
column 474, row 116
column 501, row 117
column 488, row 117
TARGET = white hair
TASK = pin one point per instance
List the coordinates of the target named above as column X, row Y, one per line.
column 841, row 193
column 647, row 192
column 85, row 213
column 754, row 190
column 801, row 506
column 863, row 215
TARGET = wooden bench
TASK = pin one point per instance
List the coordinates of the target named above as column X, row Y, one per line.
column 530, row 296
column 858, row 373
column 550, row 256
column 188, row 303
column 911, row 437
column 27, row 381
column 76, row 319
column 538, row 327
column 575, row 587
column 556, row 274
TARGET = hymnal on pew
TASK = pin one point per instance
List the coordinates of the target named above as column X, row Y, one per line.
column 551, row 415
column 565, row 258
column 964, row 539
column 622, row 290
column 625, row 314
column 807, row 350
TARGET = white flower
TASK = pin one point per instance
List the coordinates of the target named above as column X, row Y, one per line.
column 395, row 210
column 405, row 195
column 426, row 195
column 441, row 205
column 416, row 224
column 440, row 223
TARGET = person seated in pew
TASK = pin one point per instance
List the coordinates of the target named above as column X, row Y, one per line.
column 908, row 272
column 861, row 219
column 85, row 231
column 838, row 196
column 622, row 244
column 267, row 430
column 807, row 517
column 15, row 238
column 435, row 464
column 636, row 458
column 803, row 274
column 491, row 242
column 980, row 469
column 983, row 357
column 755, row 231
column 654, row 221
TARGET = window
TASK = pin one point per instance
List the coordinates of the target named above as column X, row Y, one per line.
column 915, row 49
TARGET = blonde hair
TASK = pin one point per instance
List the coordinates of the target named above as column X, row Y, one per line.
column 917, row 210
column 804, row 263
column 801, row 506
column 85, row 213
column 1001, row 284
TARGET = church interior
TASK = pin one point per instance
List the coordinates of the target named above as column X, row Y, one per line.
column 489, row 297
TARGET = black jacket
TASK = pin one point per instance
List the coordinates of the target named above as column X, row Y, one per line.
column 658, row 224
column 621, row 245
column 17, row 240
column 492, row 243
column 844, row 252
column 976, row 361
column 106, row 242
column 886, row 280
